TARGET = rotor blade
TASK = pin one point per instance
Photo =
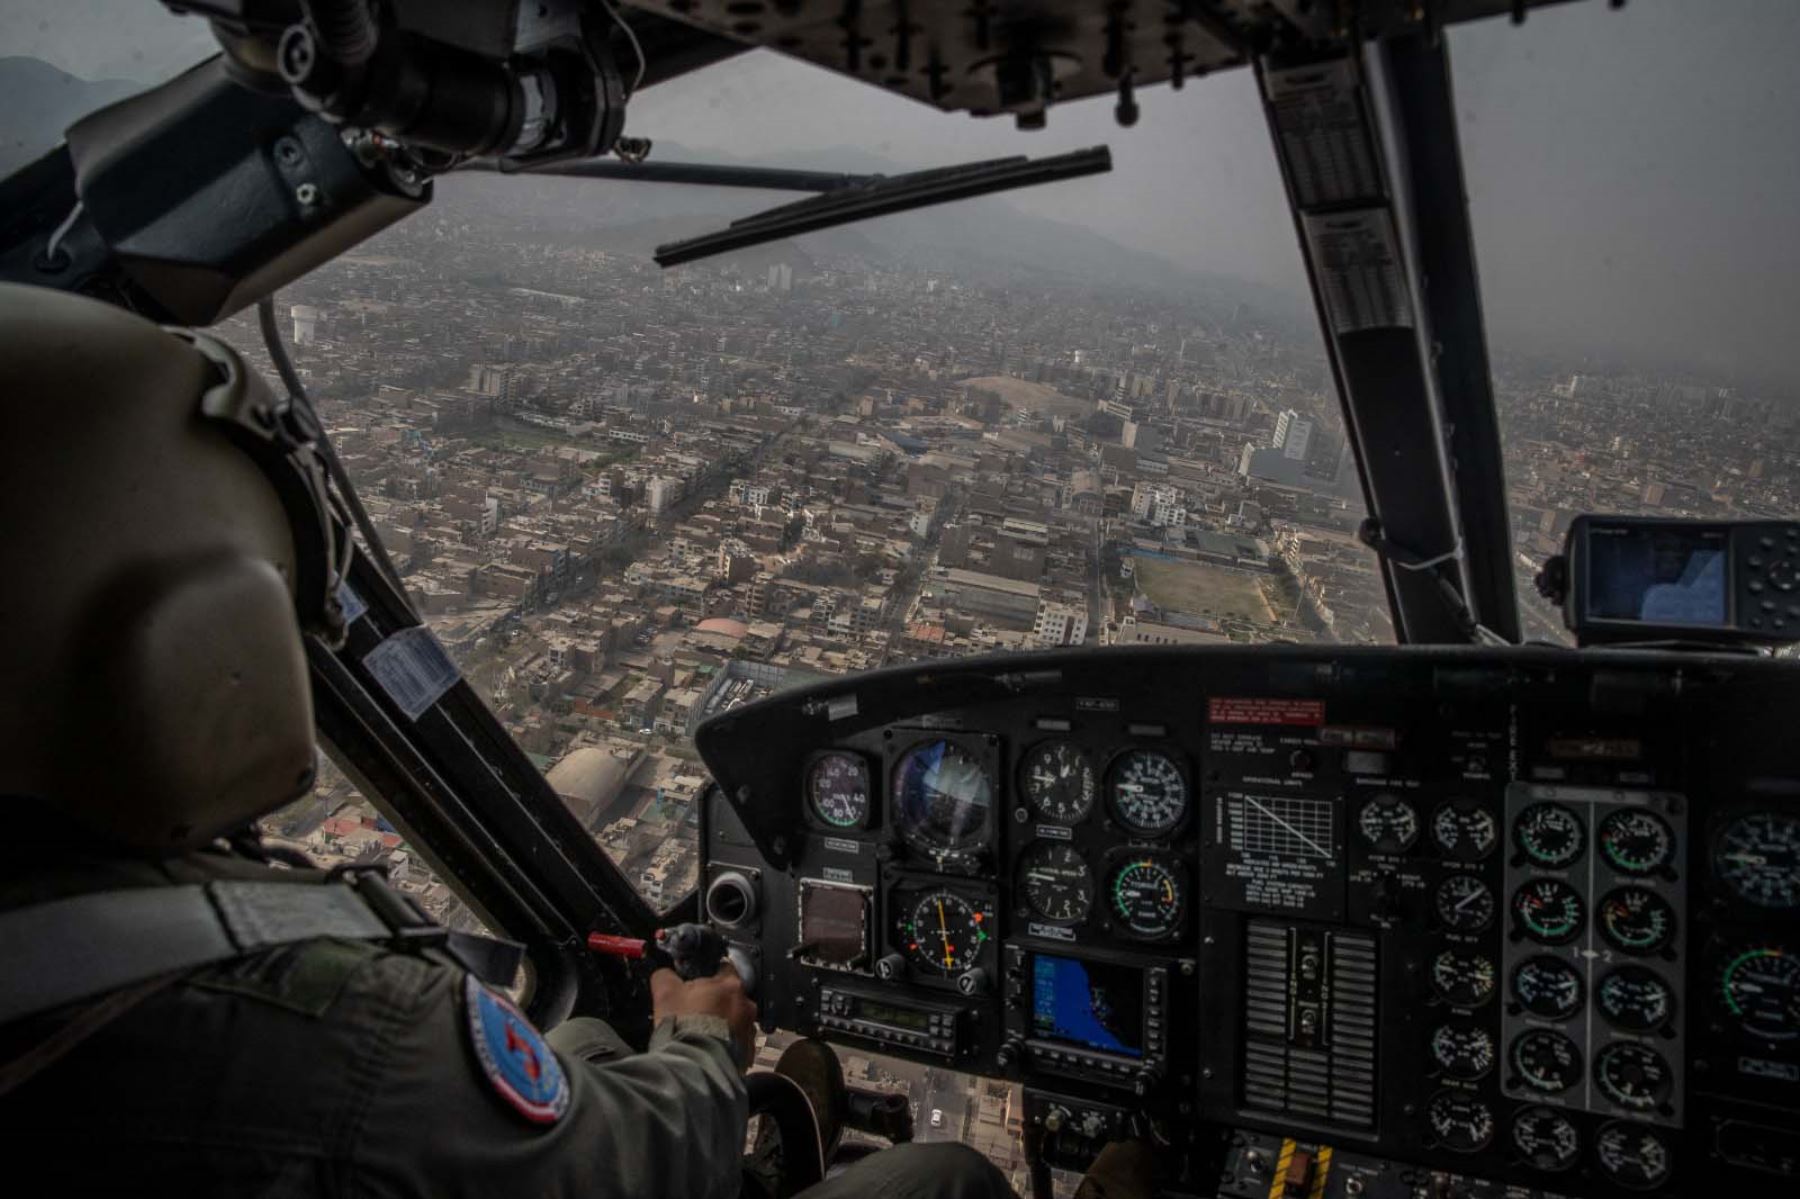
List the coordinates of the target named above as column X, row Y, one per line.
column 701, row 173
column 884, row 196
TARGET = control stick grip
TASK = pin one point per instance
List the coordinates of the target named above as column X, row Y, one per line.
column 691, row 950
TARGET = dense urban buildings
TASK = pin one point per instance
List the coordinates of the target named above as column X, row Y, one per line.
column 625, row 500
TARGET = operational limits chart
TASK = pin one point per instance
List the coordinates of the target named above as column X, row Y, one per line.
column 1279, row 852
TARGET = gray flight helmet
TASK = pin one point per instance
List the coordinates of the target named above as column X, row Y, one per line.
column 168, row 536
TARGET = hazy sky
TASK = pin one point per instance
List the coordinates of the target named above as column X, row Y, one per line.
column 1634, row 174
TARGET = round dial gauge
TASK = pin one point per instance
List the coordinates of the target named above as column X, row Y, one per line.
column 1758, row 859
column 1549, row 834
column 1761, row 991
column 941, row 798
column 1389, row 824
column 1633, row 1076
column 1548, row 987
column 1635, row 999
column 1059, row 782
column 1549, row 911
column 1545, row 1138
column 1464, row 979
column 1546, row 1061
column 1635, row 841
column 837, row 788
column 1636, row 920
column 1460, row 1122
column 1147, row 897
column 1464, row 1051
column 1633, row 1155
column 1463, row 830
column 1148, row 791
column 1056, row 882
column 943, row 933
column 1463, row 903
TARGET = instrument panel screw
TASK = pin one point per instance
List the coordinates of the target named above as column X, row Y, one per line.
column 307, row 194
column 1187, row 969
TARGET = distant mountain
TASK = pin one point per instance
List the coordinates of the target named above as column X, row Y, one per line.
column 41, row 101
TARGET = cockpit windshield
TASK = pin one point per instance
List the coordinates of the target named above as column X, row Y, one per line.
column 626, row 499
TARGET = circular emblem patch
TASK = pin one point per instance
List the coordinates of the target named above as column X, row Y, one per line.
column 513, row 1055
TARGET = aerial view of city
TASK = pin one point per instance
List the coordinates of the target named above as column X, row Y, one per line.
column 625, row 500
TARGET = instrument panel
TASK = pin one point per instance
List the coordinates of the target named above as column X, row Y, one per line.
column 1520, row 917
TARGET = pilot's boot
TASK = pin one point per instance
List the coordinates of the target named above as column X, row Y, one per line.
column 813, row 1067
column 1124, row 1170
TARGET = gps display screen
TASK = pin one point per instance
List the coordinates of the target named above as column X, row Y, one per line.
column 1092, row 1005
column 1652, row 575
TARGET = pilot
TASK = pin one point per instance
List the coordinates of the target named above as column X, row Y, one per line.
column 153, row 702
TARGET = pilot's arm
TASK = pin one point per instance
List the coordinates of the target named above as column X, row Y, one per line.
column 464, row 1097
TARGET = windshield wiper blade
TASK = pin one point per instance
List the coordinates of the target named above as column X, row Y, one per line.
column 704, row 174
column 883, row 196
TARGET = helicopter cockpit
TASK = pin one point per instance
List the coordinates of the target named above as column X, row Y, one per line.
column 1511, row 907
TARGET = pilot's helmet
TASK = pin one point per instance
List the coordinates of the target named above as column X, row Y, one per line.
column 165, row 535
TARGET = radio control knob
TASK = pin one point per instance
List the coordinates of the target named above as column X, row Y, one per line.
column 1009, row 1052
column 973, row 981
column 891, row 967
column 1145, row 1080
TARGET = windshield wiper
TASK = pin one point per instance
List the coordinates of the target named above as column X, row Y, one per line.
column 885, row 195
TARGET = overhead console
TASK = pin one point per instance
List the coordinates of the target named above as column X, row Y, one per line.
column 1490, row 917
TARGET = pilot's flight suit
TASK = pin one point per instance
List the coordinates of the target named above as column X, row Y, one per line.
column 338, row 1067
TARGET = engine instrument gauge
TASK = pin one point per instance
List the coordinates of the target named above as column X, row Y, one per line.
column 1633, row 1155
column 1549, row 834
column 1636, row 920
column 1464, row 830
column 1549, row 911
column 942, row 797
column 1148, row 792
column 1635, row 841
column 1059, row 782
column 1464, row 1051
column 1758, row 859
column 1461, row 1122
column 1389, row 824
column 942, row 932
column 1547, row 987
column 1463, row 903
column 1147, row 896
column 1056, row 882
column 837, row 789
column 1546, row 1061
column 1545, row 1138
column 1464, row 979
column 1635, row 999
column 1760, row 988
column 1633, row 1076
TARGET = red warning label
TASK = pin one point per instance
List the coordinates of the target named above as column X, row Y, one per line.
column 1237, row 710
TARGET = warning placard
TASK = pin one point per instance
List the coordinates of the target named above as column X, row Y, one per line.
column 1357, row 258
column 1245, row 710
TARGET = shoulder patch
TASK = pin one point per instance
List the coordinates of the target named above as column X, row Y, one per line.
column 519, row 1065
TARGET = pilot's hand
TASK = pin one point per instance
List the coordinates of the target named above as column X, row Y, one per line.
column 722, row 995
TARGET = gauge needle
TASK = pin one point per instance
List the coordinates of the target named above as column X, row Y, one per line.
column 1465, row 899
column 944, row 933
